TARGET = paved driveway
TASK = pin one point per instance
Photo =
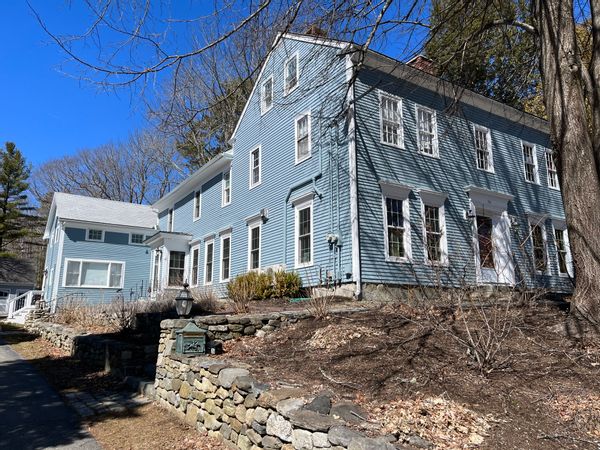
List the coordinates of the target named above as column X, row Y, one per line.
column 32, row 415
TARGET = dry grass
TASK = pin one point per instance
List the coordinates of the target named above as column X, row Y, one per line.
column 150, row 427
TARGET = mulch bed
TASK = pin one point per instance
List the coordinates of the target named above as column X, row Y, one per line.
column 409, row 369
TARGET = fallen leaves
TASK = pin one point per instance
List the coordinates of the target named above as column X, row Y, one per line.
column 444, row 423
column 335, row 336
column 582, row 409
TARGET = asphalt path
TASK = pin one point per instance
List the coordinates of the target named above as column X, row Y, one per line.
column 32, row 414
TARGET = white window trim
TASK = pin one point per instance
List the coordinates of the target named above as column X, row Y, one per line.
column 401, row 130
column 488, row 135
column 557, row 188
column 297, row 207
column 204, row 271
column 251, row 226
column 197, row 202
column 222, row 238
column 535, row 160
column 223, row 203
column 561, row 225
column 191, row 274
column 436, row 149
column 286, row 92
column 81, row 261
column 296, row 120
column 406, row 220
column 251, row 166
column 136, row 243
column 537, row 220
column 263, row 109
column 87, row 235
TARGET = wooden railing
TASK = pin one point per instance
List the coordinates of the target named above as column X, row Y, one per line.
column 24, row 301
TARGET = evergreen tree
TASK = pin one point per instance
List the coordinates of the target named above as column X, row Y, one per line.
column 14, row 205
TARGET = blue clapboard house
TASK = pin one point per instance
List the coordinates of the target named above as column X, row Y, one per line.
column 95, row 250
column 357, row 170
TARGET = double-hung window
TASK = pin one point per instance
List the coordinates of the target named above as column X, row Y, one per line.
column 483, row 149
column 94, row 274
column 266, row 102
column 176, row 268
column 426, row 131
column 560, row 240
column 304, row 234
column 530, row 163
column 302, row 137
column 225, row 257
column 209, row 253
column 390, row 116
column 291, row 74
column 552, row 170
column 254, row 246
column 197, row 204
column 255, row 167
column 95, row 235
column 434, row 226
column 226, row 188
column 395, row 228
column 194, row 268
column 538, row 243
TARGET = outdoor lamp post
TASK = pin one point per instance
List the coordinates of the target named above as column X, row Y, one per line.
column 183, row 301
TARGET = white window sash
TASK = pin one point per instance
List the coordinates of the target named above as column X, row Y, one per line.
column 258, row 152
column 264, row 108
column 297, row 208
column 251, row 227
column 534, row 162
column 406, row 236
column 382, row 135
column 226, row 188
column 222, row 259
column 286, row 88
column 308, row 134
column 212, row 262
column 81, row 262
column 434, row 135
column 488, row 151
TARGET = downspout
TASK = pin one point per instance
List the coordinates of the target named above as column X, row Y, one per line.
column 356, row 269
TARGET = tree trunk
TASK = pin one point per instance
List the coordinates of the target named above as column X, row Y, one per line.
column 564, row 80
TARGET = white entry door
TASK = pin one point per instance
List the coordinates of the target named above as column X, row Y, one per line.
column 493, row 250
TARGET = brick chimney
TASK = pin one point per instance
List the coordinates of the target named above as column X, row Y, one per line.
column 314, row 30
column 423, row 63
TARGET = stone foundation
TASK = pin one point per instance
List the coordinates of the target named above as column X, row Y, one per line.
column 221, row 396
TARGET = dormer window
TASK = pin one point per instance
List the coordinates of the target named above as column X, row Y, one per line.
column 266, row 95
column 291, row 74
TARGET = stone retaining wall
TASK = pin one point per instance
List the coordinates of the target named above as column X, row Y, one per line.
column 97, row 351
column 221, row 396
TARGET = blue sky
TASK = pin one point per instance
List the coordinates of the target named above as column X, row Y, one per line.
column 45, row 112
column 48, row 111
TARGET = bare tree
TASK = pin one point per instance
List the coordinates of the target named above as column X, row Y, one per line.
column 139, row 171
column 571, row 87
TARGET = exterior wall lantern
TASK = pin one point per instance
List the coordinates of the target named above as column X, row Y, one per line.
column 184, row 301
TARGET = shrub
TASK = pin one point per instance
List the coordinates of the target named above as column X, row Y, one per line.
column 320, row 301
column 286, row 284
column 241, row 290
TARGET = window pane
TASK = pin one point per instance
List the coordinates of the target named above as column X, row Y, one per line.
column 72, row 273
column 94, row 273
column 95, row 235
column 486, row 249
column 209, row 263
column 195, row 266
column 137, row 238
column 539, row 250
column 255, row 248
column 396, row 242
column 226, row 242
column 433, row 233
column 425, row 127
column 291, row 74
column 390, row 117
column 561, row 249
column 304, row 236
column 176, row 267
column 116, row 271
column 395, row 227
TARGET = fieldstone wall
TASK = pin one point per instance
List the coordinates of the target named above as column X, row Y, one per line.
column 221, row 396
column 98, row 351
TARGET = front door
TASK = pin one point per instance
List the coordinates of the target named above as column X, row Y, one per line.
column 494, row 255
